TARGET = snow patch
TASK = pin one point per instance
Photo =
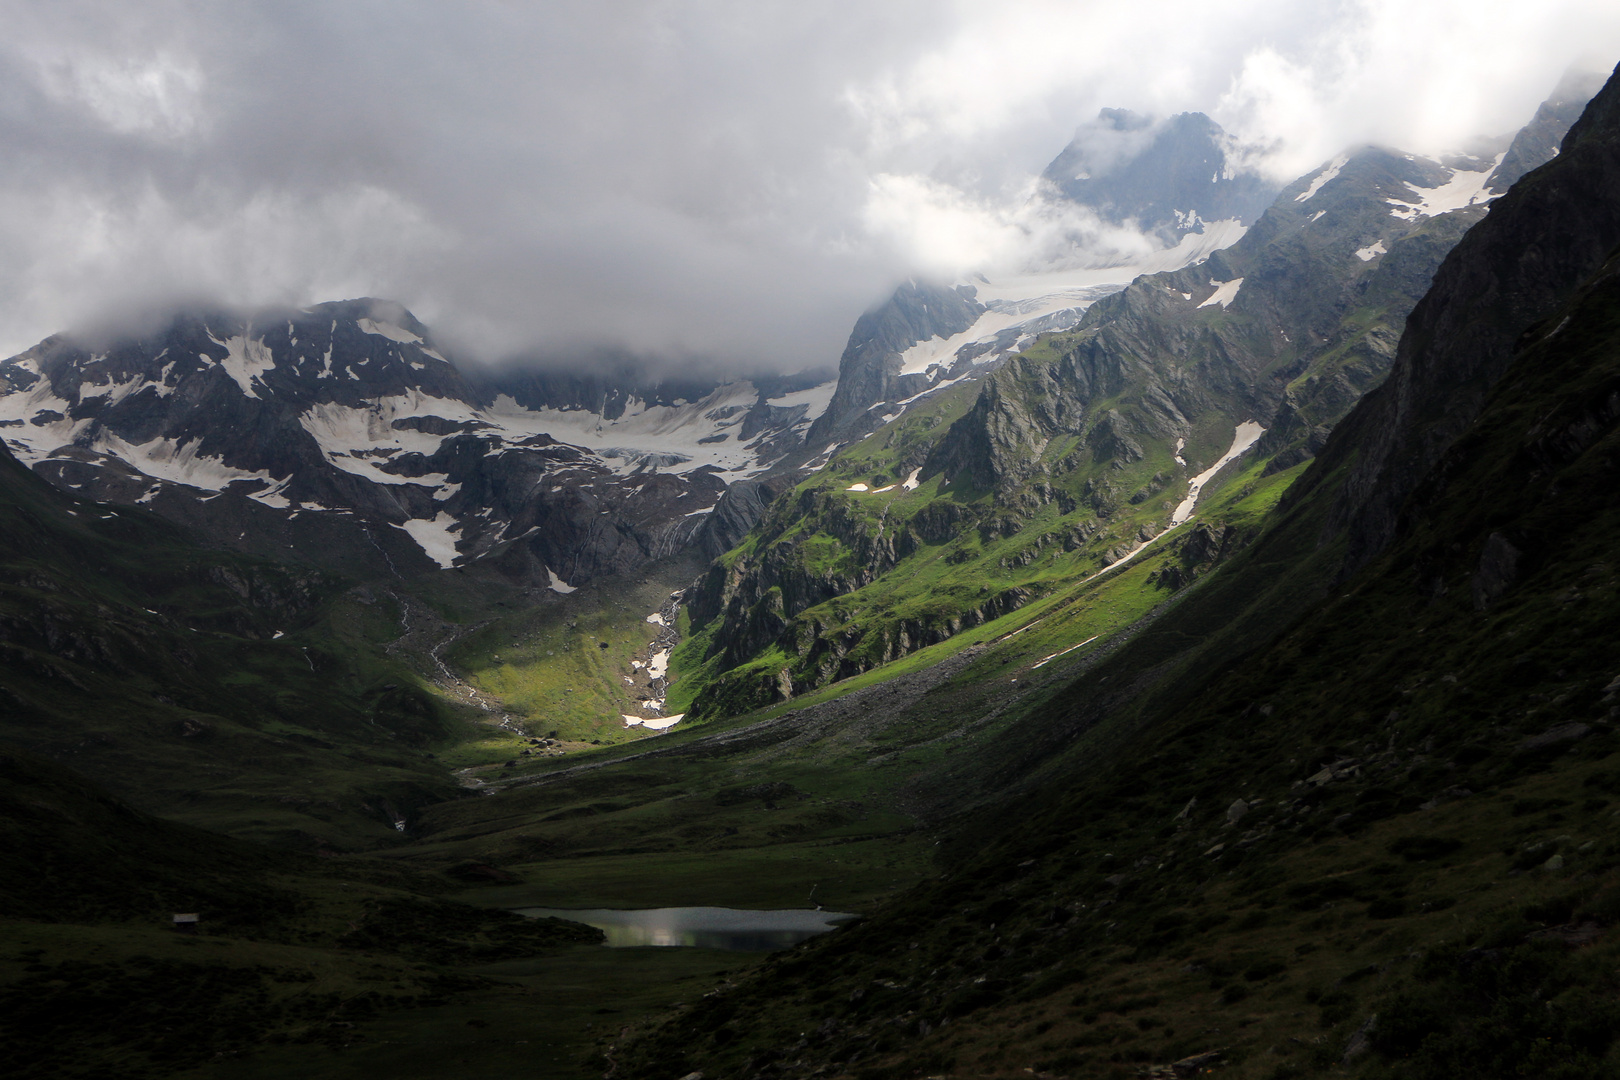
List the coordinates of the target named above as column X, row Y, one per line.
column 1245, row 436
column 1333, row 168
column 817, row 398
column 910, row 483
column 558, row 585
column 1371, row 251
column 36, row 441
column 1225, row 292
column 435, row 537
column 247, row 359
column 1065, row 652
column 176, row 462
column 657, row 723
column 857, row 487
column 272, row 495
column 1463, row 189
column 1021, row 300
column 648, row 438
column 115, row 392
column 388, row 330
column 358, row 440
column 656, row 618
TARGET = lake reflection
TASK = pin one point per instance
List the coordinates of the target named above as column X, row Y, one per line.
column 700, row 927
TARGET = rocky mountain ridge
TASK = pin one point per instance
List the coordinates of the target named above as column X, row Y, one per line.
column 341, row 432
column 1469, row 326
column 1179, row 182
column 1087, row 446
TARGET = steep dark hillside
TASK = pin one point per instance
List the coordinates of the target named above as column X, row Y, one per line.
column 1290, row 829
column 69, row 852
column 1549, row 233
column 289, row 952
column 205, row 685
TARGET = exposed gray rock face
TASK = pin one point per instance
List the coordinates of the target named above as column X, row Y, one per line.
column 739, row 508
column 1557, row 735
column 1498, row 570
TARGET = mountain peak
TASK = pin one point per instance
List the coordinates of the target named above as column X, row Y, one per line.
column 1166, row 177
column 1122, row 120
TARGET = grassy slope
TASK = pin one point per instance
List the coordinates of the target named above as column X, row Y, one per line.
column 1094, row 927
column 149, row 664
column 546, row 664
column 1042, row 550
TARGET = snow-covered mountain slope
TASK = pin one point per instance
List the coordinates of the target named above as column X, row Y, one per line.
column 1167, row 180
column 1019, row 307
column 1176, row 186
column 253, row 427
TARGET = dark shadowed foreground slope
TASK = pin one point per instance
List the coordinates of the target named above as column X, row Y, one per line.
column 208, row 686
column 1307, row 824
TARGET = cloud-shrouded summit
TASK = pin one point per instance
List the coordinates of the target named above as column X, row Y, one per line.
column 721, row 182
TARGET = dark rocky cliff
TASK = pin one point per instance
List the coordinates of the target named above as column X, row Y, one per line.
column 1553, row 230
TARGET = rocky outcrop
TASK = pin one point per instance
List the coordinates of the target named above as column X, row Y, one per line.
column 869, row 370
column 739, row 509
column 823, row 653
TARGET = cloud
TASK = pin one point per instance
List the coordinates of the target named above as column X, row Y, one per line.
column 725, row 180
column 943, row 232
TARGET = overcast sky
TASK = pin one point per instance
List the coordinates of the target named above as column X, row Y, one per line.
column 731, row 180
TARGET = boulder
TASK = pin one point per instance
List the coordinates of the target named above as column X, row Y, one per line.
column 1556, row 735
